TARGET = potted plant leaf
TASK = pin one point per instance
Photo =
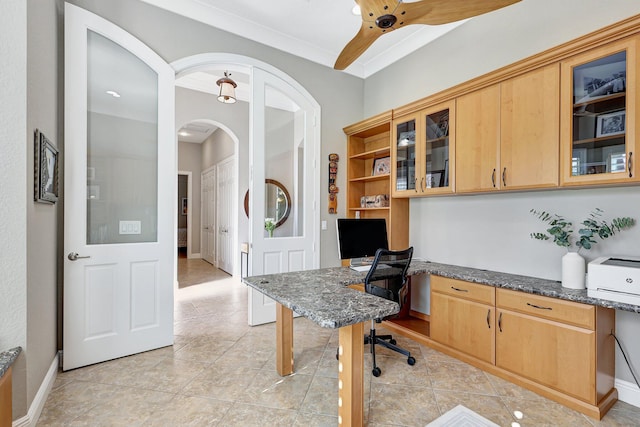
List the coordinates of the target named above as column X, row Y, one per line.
column 591, row 231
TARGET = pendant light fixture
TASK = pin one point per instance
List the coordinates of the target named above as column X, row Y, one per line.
column 227, row 89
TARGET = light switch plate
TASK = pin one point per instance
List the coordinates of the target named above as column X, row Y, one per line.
column 130, row 227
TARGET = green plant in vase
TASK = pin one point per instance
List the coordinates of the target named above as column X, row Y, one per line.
column 269, row 225
column 562, row 232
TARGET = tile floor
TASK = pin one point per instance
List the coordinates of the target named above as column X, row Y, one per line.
column 221, row 372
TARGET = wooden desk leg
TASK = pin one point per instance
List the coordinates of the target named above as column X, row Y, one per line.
column 351, row 376
column 284, row 340
column 5, row 399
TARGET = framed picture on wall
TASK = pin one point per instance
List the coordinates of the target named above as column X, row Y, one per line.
column 184, row 206
column 45, row 169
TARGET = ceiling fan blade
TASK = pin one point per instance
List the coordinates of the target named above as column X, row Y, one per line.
column 436, row 12
column 361, row 42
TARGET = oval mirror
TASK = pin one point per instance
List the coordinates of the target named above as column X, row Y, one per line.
column 277, row 202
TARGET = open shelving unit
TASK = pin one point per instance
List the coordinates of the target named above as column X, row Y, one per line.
column 369, row 144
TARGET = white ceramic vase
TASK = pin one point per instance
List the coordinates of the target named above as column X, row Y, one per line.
column 573, row 271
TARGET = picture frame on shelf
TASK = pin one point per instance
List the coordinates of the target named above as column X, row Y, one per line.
column 381, row 166
column 594, row 168
column 434, row 179
column 45, row 169
column 617, row 162
column 611, row 124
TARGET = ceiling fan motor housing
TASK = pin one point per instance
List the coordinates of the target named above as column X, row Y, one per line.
column 386, row 21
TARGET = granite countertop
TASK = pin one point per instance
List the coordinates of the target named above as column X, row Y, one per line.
column 532, row 285
column 323, row 296
column 7, row 358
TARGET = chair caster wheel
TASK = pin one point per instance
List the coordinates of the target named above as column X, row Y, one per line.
column 411, row 360
column 392, row 341
column 376, row 372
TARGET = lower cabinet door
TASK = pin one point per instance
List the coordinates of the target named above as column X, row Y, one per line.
column 553, row 354
column 464, row 325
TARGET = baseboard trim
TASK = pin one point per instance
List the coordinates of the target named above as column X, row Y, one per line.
column 628, row 392
column 35, row 409
column 196, row 255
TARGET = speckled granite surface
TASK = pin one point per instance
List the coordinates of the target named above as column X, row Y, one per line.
column 532, row 285
column 322, row 296
column 7, row 358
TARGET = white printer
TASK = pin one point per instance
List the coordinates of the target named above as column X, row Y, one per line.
column 615, row 279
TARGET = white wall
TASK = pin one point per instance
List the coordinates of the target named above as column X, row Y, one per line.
column 218, row 147
column 492, row 231
column 13, row 198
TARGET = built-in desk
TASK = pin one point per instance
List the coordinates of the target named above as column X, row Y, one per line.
column 321, row 296
column 324, row 297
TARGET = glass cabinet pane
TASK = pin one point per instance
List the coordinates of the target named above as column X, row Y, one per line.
column 406, row 156
column 599, row 116
column 437, row 150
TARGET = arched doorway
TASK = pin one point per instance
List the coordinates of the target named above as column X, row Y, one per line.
column 276, row 101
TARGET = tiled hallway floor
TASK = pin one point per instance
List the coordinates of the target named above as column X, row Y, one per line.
column 221, row 372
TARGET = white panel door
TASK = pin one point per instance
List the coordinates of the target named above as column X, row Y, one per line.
column 120, row 193
column 284, row 146
column 208, row 236
column 224, row 213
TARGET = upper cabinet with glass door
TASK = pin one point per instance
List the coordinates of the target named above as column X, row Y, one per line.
column 423, row 152
column 598, row 115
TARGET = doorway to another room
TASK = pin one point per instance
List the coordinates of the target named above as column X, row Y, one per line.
column 183, row 210
column 207, row 157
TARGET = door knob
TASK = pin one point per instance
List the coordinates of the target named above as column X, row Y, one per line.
column 74, row 256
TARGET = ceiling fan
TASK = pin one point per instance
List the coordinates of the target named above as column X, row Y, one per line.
column 383, row 16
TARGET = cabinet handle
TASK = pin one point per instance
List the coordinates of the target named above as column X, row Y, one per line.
column 421, row 186
column 629, row 164
column 415, row 184
column 488, row 317
column 459, row 290
column 504, row 180
column 493, row 177
column 539, row 307
column 500, row 322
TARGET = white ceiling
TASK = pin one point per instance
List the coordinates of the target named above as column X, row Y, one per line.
column 316, row 30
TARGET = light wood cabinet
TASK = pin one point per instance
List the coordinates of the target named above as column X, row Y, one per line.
column 563, row 345
column 560, row 349
column 368, row 144
column 508, row 134
column 423, row 147
column 463, row 317
column 530, row 130
column 599, row 115
column 478, row 141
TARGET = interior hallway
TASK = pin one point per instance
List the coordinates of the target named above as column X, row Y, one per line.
column 221, row 372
